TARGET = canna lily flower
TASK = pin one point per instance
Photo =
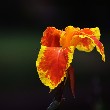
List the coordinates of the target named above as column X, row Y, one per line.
column 57, row 50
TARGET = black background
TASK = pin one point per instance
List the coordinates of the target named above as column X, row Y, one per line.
column 22, row 23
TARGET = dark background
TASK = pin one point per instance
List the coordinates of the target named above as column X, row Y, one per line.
column 22, row 23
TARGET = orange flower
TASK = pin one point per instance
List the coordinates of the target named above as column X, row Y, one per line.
column 57, row 49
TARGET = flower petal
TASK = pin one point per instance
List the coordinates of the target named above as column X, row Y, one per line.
column 96, row 32
column 89, row 46
column 51, row 37
column 72, row 79
column 86, row 44
column 67, row 36
column 99, row 46
column 52, row 63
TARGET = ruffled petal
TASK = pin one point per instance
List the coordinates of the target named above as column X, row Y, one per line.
column 51, row 37
column 52, row 63
column 86, row 44
column 67, row 36
column 96, row 32
column 99, row 46
column 93, row 42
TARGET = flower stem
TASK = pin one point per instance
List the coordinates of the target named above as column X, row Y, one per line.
column 58, row 96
